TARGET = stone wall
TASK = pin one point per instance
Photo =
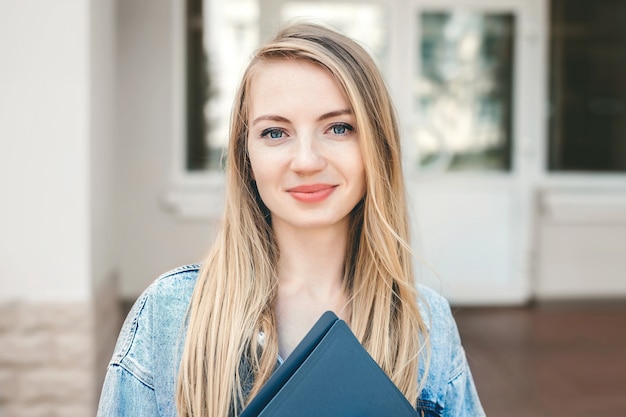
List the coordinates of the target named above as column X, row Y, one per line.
column 46, row 360
column 53, row 356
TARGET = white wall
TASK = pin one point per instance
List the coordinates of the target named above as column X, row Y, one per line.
column 581, row 243
column 103, row 141
column 151, row 239
column 44, row 131
column 85, row 143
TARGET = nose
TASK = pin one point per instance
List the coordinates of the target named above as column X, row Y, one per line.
column 308, row 157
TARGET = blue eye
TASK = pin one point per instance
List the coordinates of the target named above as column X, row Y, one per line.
column 341, row 129
column 272, row 133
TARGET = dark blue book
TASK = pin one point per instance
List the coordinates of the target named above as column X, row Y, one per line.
column 329, row 374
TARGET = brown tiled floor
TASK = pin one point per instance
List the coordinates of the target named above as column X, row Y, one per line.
column 548, row 361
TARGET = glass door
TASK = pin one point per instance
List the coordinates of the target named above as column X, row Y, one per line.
column 464, row 90
column 475, row 120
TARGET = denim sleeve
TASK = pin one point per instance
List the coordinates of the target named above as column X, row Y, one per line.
column 449, row 387
column 128, row 388
column 461, row 398
column 125, row 395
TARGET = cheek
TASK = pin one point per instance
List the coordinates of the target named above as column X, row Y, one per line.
column 260, row 170
column 253, row 160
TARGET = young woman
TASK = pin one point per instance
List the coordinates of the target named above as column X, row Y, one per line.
column 315, row 219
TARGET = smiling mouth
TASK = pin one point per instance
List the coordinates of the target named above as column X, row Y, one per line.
column 313, row 193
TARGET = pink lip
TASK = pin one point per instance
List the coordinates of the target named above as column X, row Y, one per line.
column 313, row 193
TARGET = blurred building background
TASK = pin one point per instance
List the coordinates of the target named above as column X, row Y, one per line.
column 113, row 115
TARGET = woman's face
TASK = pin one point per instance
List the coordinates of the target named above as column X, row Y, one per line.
column 303, row 146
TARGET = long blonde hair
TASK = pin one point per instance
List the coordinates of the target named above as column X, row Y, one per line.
column 234, row 297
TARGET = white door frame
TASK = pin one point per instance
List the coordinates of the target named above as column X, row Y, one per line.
column 529, row 133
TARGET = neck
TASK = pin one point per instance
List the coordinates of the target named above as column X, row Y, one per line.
column 311, row 258
column 310, row 281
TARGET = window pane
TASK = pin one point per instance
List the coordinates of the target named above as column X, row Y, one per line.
column 222, row 34
column 464, row 90
column 588, row 86
column 196, row 154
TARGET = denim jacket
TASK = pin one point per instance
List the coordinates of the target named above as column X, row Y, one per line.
column 141, row 377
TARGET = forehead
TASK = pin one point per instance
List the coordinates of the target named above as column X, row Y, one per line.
column 284, row 83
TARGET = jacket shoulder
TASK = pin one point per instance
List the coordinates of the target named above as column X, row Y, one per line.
column 449, row 382
column 443, row 342
column 156, row 318
column 176, row 285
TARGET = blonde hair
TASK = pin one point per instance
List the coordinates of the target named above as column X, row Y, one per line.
column 237, row 285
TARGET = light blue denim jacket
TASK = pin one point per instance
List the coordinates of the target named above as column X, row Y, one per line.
column 141, row 377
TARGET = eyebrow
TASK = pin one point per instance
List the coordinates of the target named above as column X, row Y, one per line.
column 324, row 116
column 270, row 117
